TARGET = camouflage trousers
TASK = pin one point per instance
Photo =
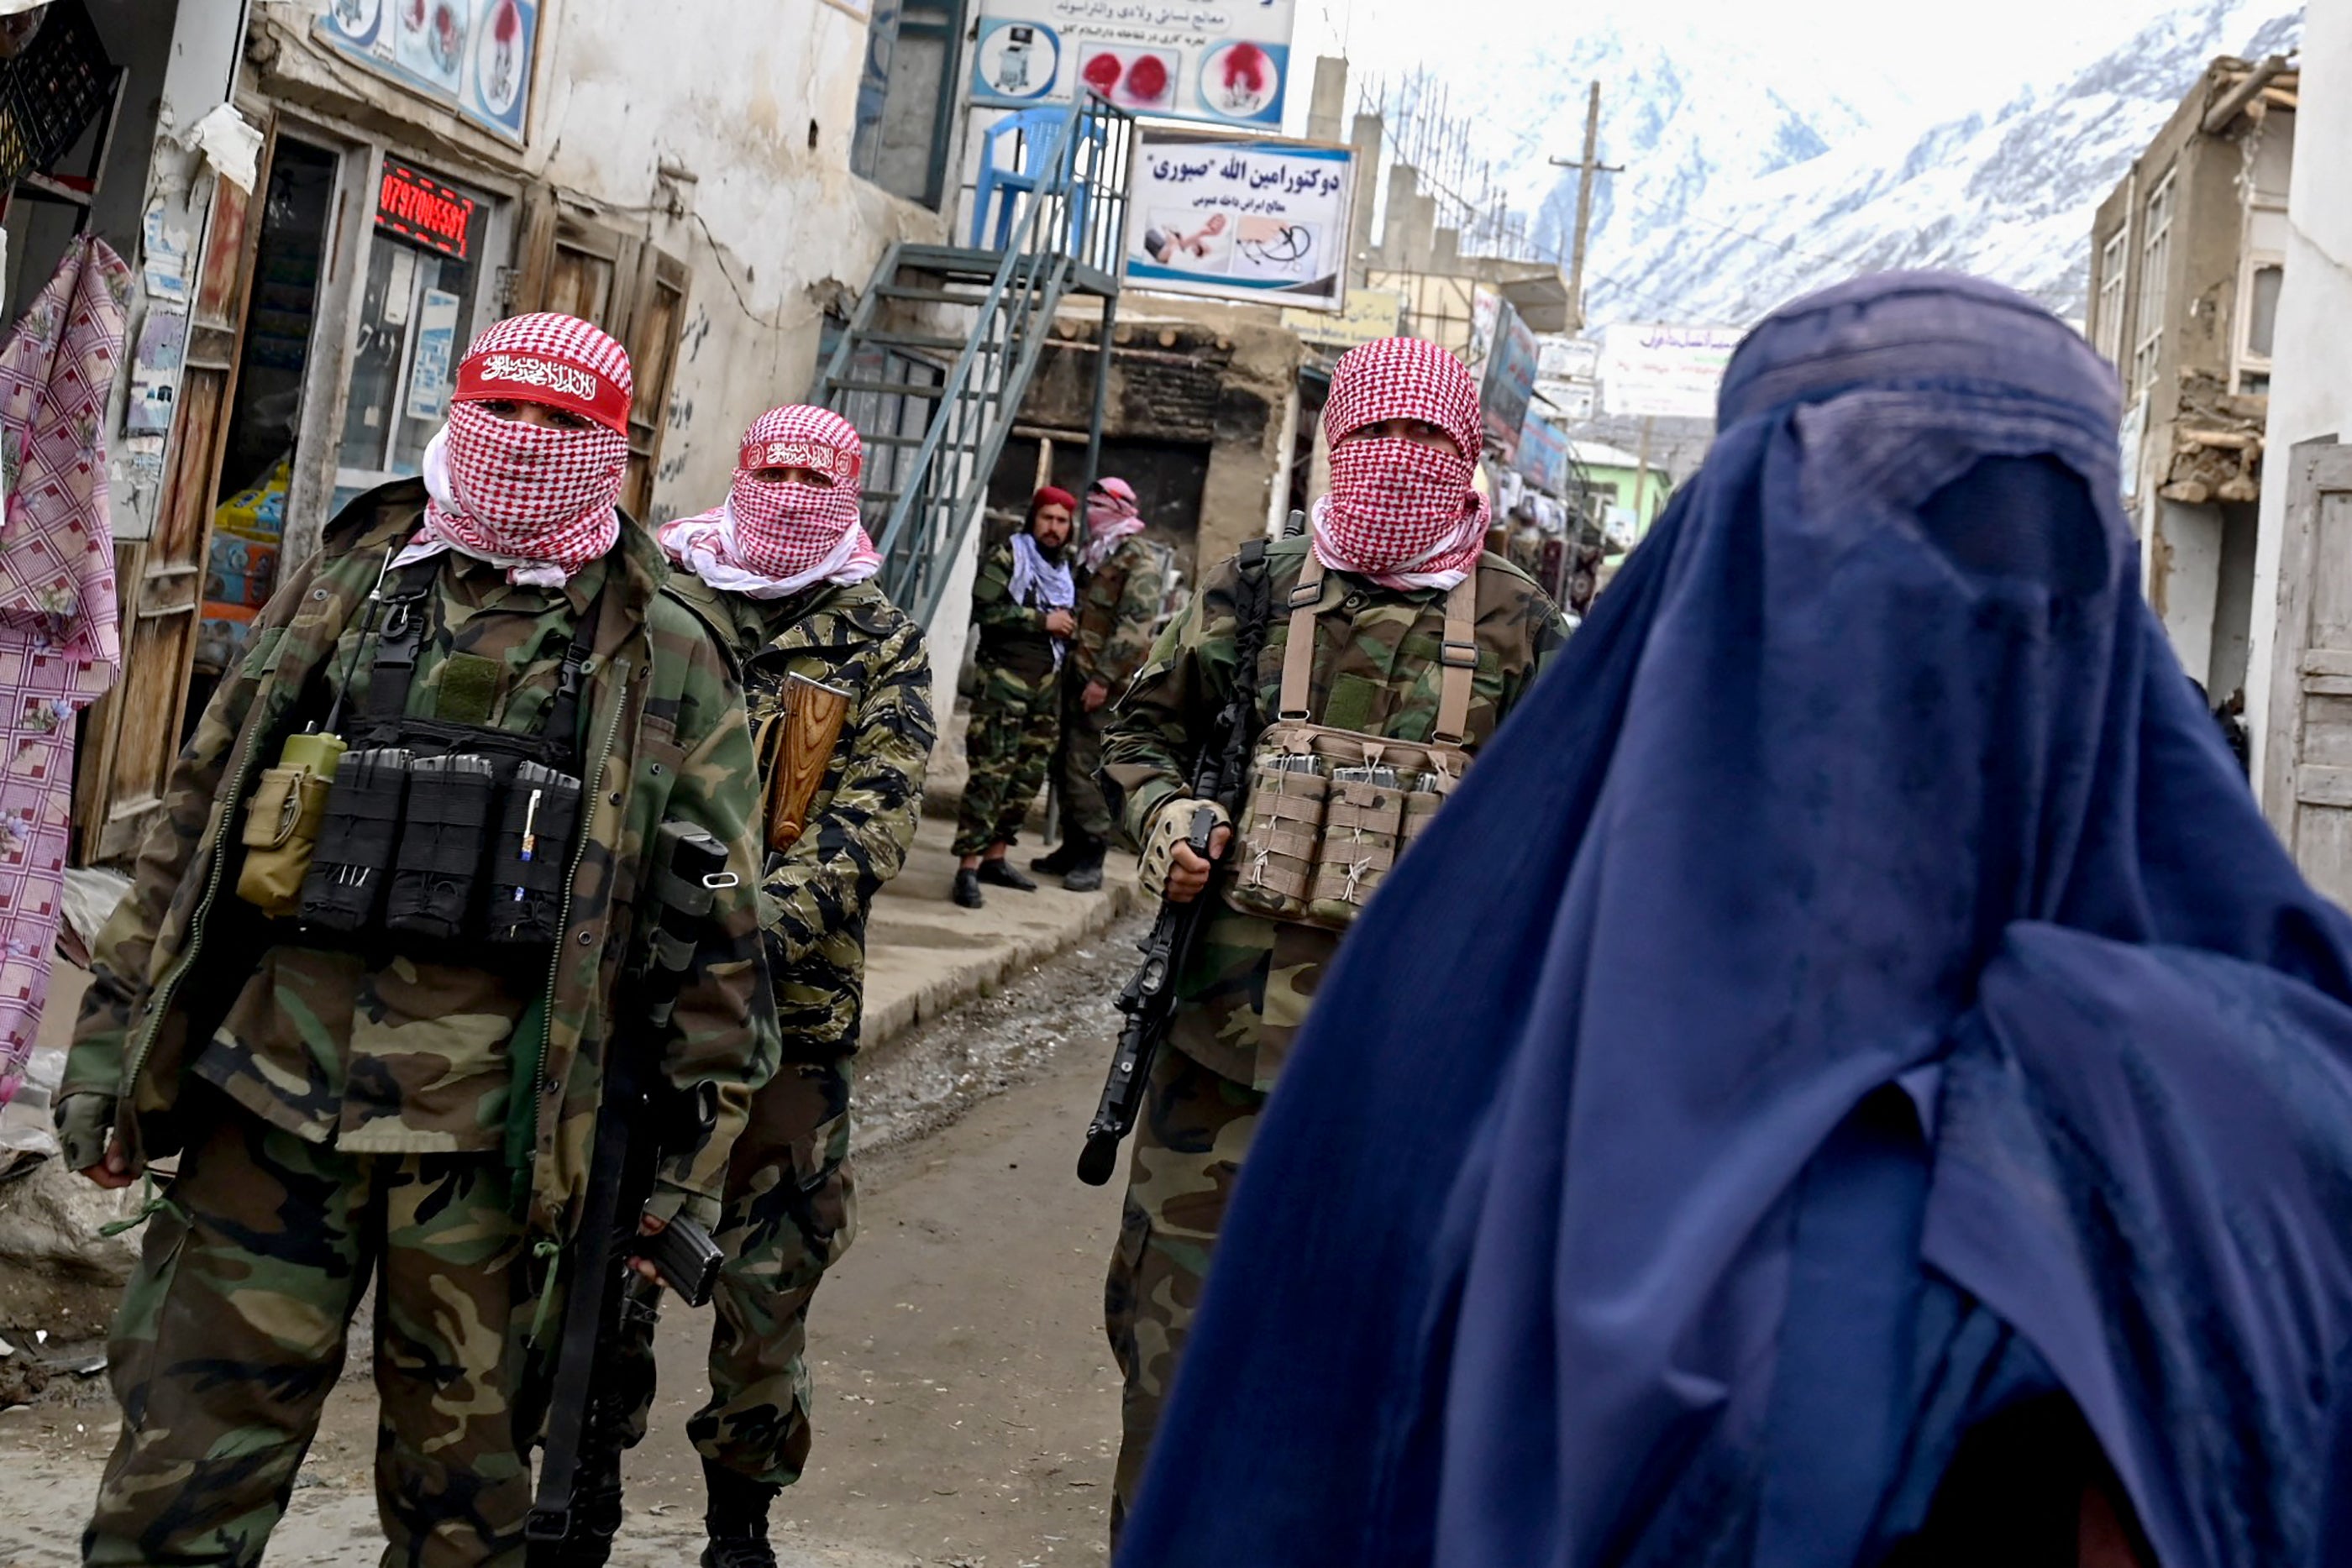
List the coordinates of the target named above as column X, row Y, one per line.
column 1195, row 1127
column 1078, row 765
column 1010, row 748
column 233, row 1334
column 791, row 1212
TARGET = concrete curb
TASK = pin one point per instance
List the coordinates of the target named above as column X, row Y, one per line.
column 925, row 955
column 900, row 1015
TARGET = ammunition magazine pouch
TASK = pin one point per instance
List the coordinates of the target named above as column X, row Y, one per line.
column 437, row 836
column 1329, row 811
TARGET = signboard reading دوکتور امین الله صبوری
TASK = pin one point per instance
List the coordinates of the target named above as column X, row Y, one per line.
column 1173, row 59
column 1230, row 218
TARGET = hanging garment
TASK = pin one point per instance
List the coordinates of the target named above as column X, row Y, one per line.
column 59, row 644
column 1854, row 1002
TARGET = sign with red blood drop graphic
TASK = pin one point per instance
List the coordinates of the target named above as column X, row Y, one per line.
column 1173, row 59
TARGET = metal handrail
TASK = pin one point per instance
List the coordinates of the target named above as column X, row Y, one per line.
column 940, row 496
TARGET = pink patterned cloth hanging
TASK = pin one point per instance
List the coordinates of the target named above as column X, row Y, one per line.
column 60, row 646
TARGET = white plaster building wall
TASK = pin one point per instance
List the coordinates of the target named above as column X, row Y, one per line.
column 2311, row 378
column 734, row 91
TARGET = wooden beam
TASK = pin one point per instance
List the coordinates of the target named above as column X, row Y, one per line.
column 2233, row 103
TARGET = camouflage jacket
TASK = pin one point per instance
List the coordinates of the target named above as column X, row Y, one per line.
column 1012, row 636
column 1376, row 671
column 815, row 898
column 665, row 742
column 1118, row 609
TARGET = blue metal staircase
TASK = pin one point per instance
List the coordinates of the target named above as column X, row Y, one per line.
column 936, row 408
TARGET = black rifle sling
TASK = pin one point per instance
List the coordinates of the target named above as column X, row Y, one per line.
column 1254, row 609
column 396, row 643
column 587, row 1304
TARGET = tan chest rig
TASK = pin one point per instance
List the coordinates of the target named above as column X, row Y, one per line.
column 1330, row 810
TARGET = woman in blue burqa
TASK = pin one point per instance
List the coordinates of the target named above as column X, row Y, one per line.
column 1850, row 1080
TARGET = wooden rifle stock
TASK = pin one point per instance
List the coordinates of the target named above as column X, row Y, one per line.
column 795, row 749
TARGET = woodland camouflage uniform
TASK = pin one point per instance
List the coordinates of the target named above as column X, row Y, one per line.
column 1014, row 718
column 792, row 1206
column 1246, row 991
column 1117, row 611
column 336, row 1114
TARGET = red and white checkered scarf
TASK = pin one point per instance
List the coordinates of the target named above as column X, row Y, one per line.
column 1405, row 514
column 1112, row 515
column 773, row 540
column 538, row 502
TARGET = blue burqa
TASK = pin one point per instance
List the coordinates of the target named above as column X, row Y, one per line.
column 1853, row 997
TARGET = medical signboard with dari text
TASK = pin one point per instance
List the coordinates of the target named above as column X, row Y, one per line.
column 1235, row 219
column 1175, row 60
column 1652, row 371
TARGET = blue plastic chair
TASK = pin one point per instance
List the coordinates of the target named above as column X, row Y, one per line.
column 1038, row 146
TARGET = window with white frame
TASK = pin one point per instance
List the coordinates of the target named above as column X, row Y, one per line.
column 2155, row 270
column 2258, row 296
column 2112, row 277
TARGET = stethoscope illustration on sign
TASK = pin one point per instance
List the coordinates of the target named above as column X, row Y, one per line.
column 1289, row 247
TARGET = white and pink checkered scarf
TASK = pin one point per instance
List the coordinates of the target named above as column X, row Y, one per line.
column 538, row 502
column 1113, row 513
column 1403, row 514
column 774, row 540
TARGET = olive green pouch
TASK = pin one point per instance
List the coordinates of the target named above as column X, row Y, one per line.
column 282, row 819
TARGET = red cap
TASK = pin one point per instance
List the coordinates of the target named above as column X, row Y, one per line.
column 560, row 361
column 1051, row 496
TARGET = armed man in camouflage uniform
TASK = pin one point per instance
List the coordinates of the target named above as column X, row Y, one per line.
column 380, row 1102
column 1021, row 613
column 783, row 572
column 1124, row 577
column 1402, row 528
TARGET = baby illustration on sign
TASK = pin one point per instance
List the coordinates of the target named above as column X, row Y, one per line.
column 1167, row 246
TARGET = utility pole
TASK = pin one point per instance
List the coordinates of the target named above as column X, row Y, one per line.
column 1587, row 167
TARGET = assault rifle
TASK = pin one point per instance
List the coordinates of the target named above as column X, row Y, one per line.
column 636, row 1124
column 1220, row 774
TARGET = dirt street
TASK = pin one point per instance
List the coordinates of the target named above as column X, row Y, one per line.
column 967, row 1404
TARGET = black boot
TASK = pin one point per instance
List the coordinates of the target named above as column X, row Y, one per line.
column 1000, row 873
column 966, row 890
column 737, row 1518
column 1068, row 858
column 1086, row 871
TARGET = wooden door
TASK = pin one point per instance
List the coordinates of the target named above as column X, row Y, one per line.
column 571, row 263
column 134, row 735
column 2307, row 753
column 656, row 317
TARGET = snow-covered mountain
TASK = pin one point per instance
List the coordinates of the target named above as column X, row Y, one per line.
column 1751, row 175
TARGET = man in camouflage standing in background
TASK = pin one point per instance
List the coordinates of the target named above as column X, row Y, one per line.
column 372, row 1098
column 1401, row 528
column 839, row 688
column 1124, row 577
column 1021, row 613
